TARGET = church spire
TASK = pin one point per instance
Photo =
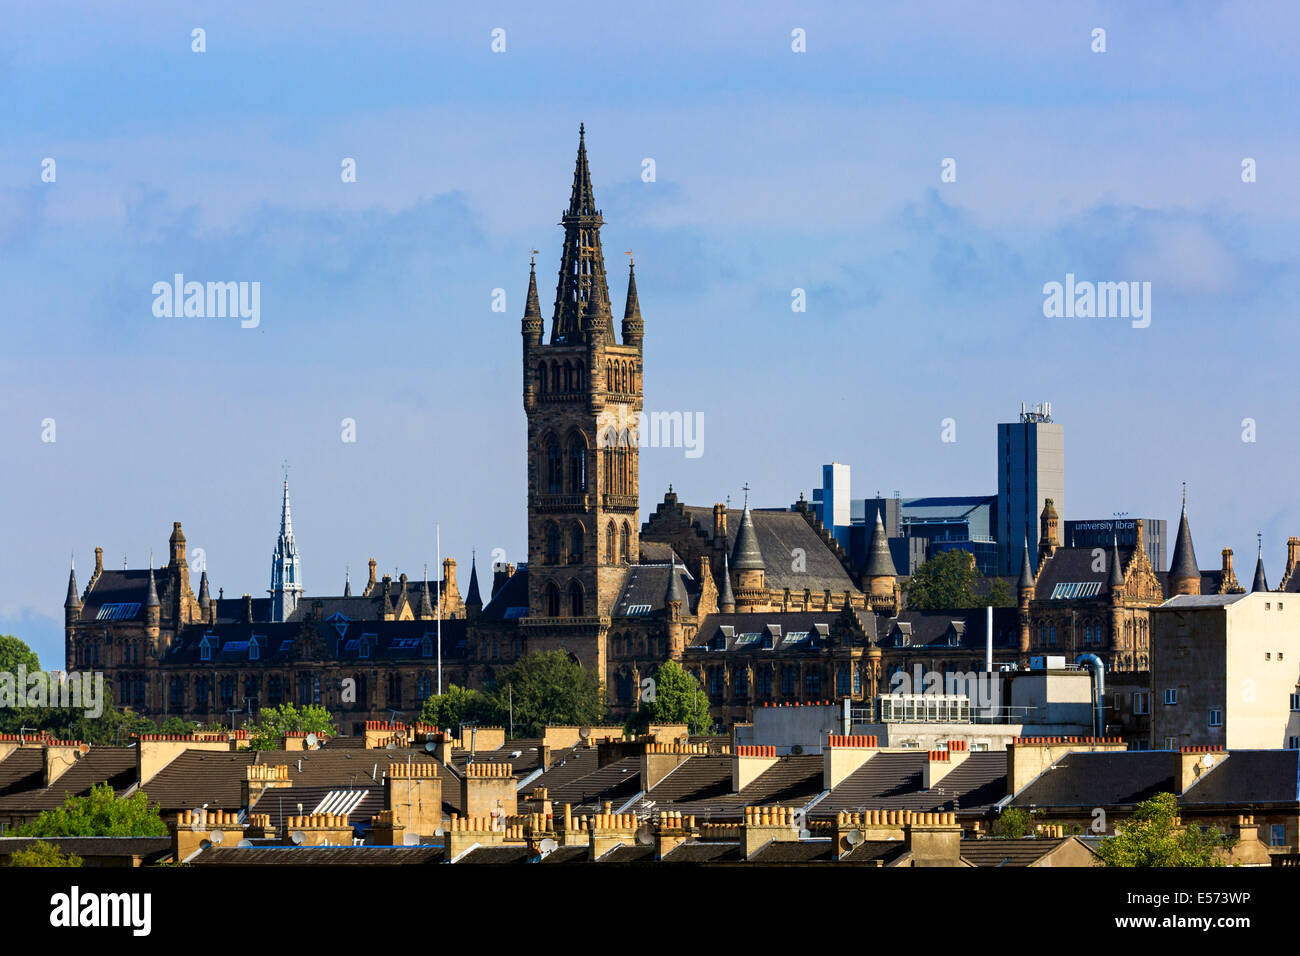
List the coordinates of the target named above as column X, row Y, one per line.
column 1184, row 573
column 151, row 596
column 532, row 308
column 582, row 287
column 286, row 577
column 633, row 328
column 1116, row 572
column 472, row 597
column 727, row 599
column 347, row 580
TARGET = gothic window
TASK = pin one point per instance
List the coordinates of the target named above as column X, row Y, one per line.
column 763, row 682
column 554, row 468
column 577, row 465
column 555, row 376
column 812, row 684
column 541, row 377
column 575, row 544
column 575, row 599
column 552, row 600
column 611, row 543
column 552, row 544
column 742, row 682
column 578, row 377
column 426, row 646
column 568, row 377
column 227, row 691
column 251, row 683
column 274, row 690
column 424, row 686
column 254, row 649
column 626, row 544
column 201, row 693
column 176, row 694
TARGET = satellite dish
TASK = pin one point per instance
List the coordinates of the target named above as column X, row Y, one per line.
column 1207, row 761
column 645, row 835
column 411, row 839
column 245, row 844
column 298, row 837
column 430, row 746
column 547, row 846
column 584, row 732
column 217, row 837
column 312, row 742
column 853, row 838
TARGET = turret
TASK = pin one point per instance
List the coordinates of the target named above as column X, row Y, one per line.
column 726, row 599
column 879, row 576
column 674, row 603
column 1260, row 583
column 205, row 600
column 1048, row 540
column 1116, row 581
column 425, row 610
column 633, row 328
column 1184, row 574
column 1024, row 594
column 152, row 610
column 751, row 570
column 72, row 603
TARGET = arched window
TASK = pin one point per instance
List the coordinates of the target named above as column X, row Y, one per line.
column 552, row 544
column 626, row 544
column 579, row 375
column 554, row 468
column 555, row 376
column 611, row 543
column 552, row 600
column 541, row 377
column 575, row 599
column 568, row 377
column 577, row 465
column 576, row 543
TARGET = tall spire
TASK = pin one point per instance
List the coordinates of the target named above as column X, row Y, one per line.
column 533, row 308
column 633, row 327
column 73, row 600
column 347, row 580
column 582, row 287
column 286, row 575
column 472, row 597
column 205, row 596
column 1026, row 581
column 151, row 596
column 1260, row 583
column 426, row 603
column 1116, row 572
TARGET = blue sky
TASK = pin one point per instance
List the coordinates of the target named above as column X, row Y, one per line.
column 775, row 171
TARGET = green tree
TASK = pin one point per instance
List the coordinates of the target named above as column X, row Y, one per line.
column 43, row 854
column 459, row 705
column 547, row 687
column 1013, row 824
column 100, row 813
column 14, row 652
column 951, row 580
column 678, row 699
column 274, row 722
column 1153, row 836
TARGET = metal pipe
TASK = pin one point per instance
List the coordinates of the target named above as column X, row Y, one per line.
column 1098, row 690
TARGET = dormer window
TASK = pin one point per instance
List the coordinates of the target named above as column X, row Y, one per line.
column 426, row 646
column 254, row 649
column 363, row 648
column 205, row 648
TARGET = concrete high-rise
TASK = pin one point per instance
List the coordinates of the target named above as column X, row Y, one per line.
column 1031, row 469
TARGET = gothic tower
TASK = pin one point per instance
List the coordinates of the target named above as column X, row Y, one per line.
column 582, row 398
column 286, row 576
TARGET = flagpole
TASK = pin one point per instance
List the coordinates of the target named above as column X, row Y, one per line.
column 437, row 532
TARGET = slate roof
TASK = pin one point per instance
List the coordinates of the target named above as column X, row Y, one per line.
column 1249, row 777
column 1102, row 779
column 616, row 781
column 892, row 781
column 791, row 781
column 92, row 848
column 334, row 640
column 992, row 851
column 505, row 604
column 197, row 777
column 697, row 853
column 22, row 770
column 112, row 765
column 1074, row 566
column 927, row 628
column 319, row 856
column 697, row 778
column 645, row 587
column 124, row 586
column 748, row 630
column 778, row 533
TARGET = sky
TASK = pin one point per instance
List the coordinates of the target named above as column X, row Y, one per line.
column 775, row 170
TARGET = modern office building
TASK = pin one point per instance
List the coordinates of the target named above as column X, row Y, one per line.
column 832, row 503
column 1031, row 469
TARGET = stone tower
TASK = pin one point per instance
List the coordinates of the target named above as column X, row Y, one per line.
column 1184, row 573
column 582, row 398
column 286, row 575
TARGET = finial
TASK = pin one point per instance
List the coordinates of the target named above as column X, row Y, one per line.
column 746, row 490
column 630, row 261
column 582, row 130
column 1259, row 536
column 123, row 560
column 74, row 560
column 1184, row 496
column 532, row 258
column 284, row 467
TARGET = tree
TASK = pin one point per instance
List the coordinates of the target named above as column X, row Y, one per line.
column 950, row 579
column 458, row 705
column 547, row 687
column 100, row 813
column 1153, row 836
column 14, row 652
column 42, row 853
column 275, row 722
column 1014, row 823
column 678, row 699
column 109, row 728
